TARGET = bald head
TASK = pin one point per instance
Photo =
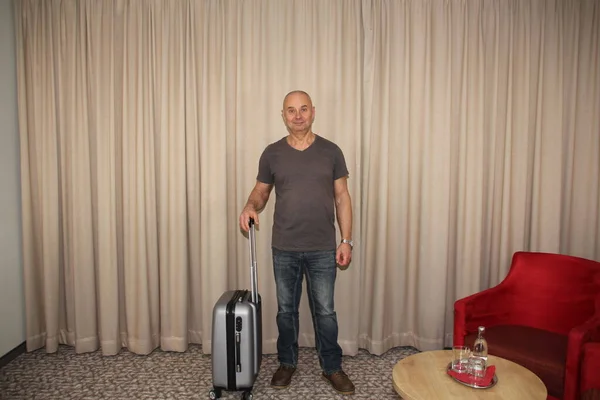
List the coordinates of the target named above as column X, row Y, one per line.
column 295, row 93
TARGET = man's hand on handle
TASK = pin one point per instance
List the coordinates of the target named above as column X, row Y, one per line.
column 247, row 213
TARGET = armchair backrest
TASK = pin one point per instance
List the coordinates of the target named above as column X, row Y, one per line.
column 554, row 292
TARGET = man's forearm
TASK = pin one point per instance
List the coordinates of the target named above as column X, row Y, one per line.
column 257, row 200
column 344, row 216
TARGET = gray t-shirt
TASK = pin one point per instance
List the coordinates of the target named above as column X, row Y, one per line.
column 304, row 204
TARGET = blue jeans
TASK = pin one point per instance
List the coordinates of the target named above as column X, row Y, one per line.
column 320, row 270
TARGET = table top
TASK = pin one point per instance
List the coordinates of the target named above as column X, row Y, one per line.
column 423, row 376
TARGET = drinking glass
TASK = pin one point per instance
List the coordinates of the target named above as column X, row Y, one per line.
column 460, row 358
column 477, row 367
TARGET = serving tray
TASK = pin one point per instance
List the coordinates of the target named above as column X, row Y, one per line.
column 473, row 385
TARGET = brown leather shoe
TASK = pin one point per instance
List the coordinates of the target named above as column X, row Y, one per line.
column 340, row 382
column 282, row 377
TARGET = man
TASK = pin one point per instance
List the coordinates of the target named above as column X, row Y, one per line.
column 309, row 175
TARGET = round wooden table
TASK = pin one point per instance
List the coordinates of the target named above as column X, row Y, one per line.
column 423, row 376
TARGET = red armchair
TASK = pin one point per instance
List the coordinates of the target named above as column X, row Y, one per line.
column 540, row 316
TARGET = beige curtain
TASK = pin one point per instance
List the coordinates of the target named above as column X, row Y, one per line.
column 470, row 128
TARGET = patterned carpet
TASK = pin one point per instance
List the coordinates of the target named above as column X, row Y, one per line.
column 165, row 375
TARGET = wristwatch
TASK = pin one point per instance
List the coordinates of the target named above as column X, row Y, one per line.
column 350, row 242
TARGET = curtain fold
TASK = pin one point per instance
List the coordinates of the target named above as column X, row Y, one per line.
column 470, row 129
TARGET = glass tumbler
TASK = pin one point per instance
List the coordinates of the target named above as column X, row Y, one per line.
column 460, row 359
column 477, row 367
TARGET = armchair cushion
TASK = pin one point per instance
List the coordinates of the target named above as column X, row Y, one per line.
column 591, row 394
column 540, row 351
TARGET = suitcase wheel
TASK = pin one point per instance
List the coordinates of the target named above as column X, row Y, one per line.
column 247, row 396
column 216, row 394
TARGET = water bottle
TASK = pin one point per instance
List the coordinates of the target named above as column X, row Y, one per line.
column 480, row 354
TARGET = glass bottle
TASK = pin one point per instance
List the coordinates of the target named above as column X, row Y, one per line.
column 480, row 353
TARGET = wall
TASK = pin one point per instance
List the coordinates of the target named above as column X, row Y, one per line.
column 12, row 305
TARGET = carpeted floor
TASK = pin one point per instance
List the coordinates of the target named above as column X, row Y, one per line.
column 165, row 375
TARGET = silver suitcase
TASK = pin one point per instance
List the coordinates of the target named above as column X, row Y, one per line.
column 237, row 335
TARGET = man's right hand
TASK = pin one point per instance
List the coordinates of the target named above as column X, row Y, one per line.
column 247, row 213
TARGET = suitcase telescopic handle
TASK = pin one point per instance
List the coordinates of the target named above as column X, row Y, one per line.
column 253, row 271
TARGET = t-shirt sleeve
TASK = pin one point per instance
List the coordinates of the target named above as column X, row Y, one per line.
column 264, row 169
column 339, row 167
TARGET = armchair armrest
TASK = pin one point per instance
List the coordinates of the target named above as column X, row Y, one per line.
column 589, row 383
column 489, row 307
column 578, row 336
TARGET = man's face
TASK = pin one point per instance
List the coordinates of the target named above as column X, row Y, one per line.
column 298, row 112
